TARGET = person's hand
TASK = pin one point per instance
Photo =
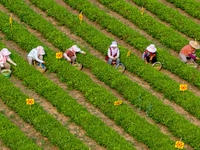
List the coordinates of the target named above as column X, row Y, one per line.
column 69, row 60
column 15, row 64
column 115, row 58
column 151, row 58
column 197, row 58
column 44, row 62
column 146, row 62
column 84, row 53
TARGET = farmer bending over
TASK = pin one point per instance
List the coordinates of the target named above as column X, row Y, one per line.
column 4, row 57
column 149, row 55
column 70, row 53
column 188, row 52
column 36, row 54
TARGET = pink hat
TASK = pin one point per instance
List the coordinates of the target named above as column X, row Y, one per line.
column 75, row 48
column 151, row 48
column 5, row 52
column 40, row 50
column 114, row 44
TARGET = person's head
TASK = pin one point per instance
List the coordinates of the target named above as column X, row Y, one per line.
column 40, row 50
column 194, row 44
column 5, row 52
column 75, row 48
column 151, row 48
column 113, row 44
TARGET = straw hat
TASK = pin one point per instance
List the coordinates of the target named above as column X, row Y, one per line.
column 114, row 44
column 40, row 50
column 5, row 52
column 194, row 44
column 151, row 48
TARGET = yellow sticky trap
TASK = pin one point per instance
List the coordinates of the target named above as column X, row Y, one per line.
column 80, row 16
column 179, row 145
column 119, row 102
column 142, row 11
column 128, row 53
column 183, row 87
column 29, row 101
column 59, row 55
column 10, row 20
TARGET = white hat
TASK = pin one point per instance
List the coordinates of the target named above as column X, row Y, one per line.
column 194, row 44
column 40, row 50
column 151, row 48
column 75, row 48
column 5, row 52
column 114, row 44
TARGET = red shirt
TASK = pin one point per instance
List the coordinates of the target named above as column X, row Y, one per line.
column 187, row 50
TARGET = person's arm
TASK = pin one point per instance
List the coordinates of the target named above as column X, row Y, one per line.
column 36, row 58
column 82, row 52
column 10, row 60
column 66, row 57
column 192, row 56
column 117, row 56
column 152, row 56
column 109, row 54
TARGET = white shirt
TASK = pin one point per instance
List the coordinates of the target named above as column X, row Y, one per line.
column 34, row 54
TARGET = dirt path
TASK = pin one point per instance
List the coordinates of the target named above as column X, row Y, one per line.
column 3, row 146
column 26, row 128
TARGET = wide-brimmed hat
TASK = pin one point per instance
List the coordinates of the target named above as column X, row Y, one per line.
column 194, row 44
column 5, row 52
column 113, row 44
column 40, row 50
column 75, row 48
column 151, row 48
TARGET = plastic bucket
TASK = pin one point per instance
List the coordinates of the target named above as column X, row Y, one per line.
column 6, row 73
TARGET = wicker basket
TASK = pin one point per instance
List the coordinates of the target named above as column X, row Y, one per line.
column 77, row 65
column 41, row 69
column 157, row 65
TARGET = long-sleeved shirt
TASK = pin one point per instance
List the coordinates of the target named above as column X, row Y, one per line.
column 188, row 50
column 34, row 54
column 113, row 52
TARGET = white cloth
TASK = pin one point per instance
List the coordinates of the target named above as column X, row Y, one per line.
column 34, row 55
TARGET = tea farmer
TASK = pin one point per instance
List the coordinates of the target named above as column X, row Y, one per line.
column 113, row 53
column 70, row 53
column 187, row 53
column 36, row 54
column 149, row 55
column 4, row 59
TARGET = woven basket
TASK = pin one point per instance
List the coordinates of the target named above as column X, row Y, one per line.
column 42, row 70
column 157, row 65
column 77, row 65
column 39, row 68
